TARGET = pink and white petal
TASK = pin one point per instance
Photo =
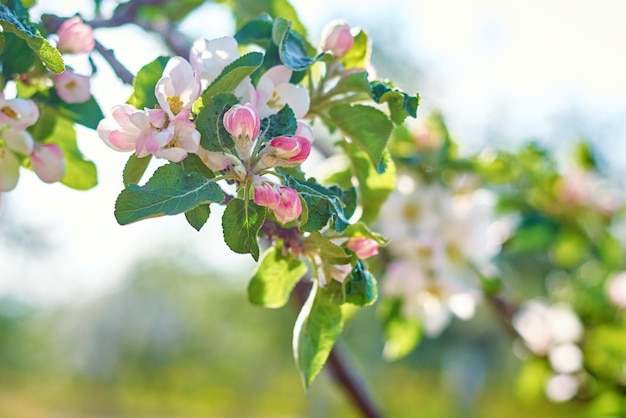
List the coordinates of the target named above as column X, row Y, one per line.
column 297, row 98
column 19, row 141
column 48, row 162
column 278, row 74
column 174, row 155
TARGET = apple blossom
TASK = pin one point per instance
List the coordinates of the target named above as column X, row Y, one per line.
column 209, row 58
column 616, row 290
column 290, row 207
column 72, row 87
column 266, row 194
column 178, row 88
column 75, row 36
column 242, row 121
column 282, row 200
column 18, row 113
column 177, row 140
column 274, row 91
column 336, row 38
column 284, row 151
column 48, row 162
column 304, row 129
column 18, row 140
column 363, row 247
column 127, row 128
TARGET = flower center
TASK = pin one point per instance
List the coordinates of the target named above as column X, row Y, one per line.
column 71, row 85
column 275, row 102
column 175, row 103
column 173, row 143
column 9, row 112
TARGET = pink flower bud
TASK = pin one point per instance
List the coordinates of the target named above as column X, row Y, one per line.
column 48, row 162
column 289, row 150
column 290, row 207
column 75, row 36
column 616, row 290
column 336, row 38
column 72, row 87
column 363, row 247
column 266, row 194
column 18, row 113
column 242, row 121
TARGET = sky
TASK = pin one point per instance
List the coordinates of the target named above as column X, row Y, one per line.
column 501, row 71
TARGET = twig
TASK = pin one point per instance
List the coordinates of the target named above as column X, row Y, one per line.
column 121, row 71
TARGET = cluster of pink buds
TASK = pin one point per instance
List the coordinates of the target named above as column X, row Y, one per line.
column 75, row 37
column 16, row 143
column 254, row 159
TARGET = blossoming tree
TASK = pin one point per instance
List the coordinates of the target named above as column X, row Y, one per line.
column 233, row 119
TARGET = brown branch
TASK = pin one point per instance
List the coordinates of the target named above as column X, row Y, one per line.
column 121, row 71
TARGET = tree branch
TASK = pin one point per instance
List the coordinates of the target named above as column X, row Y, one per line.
column 121, row 71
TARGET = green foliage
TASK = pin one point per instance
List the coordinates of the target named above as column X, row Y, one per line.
column 328, row 251
column 359, row 55
column 360, row 286
column 80, row 174
column 275, row 277
column 231, row 77
column 32, row 40
column 135, row 168
column 172, row 189
column 317, row 328
column 213, row 136
column 241, row 223
column 402, row 333
column 87, row 114
column 198, row 216
column 291, row 47
column 367, row 127
column 323, row 205
column 144, row 83
column 401, row 105
column 373, row 187
column 282, row 123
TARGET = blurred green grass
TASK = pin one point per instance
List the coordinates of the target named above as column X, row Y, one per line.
column 176, row 342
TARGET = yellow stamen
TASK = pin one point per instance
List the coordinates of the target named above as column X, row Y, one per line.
column 275, row 101
column 71, row 85
column 7, row 110
column 175, row 104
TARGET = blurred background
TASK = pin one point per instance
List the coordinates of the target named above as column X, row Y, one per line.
column 151, row 319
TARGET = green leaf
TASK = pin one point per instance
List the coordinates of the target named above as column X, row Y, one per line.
column 360, row 230
column 198, row 216
column 331, row 253
column 359, row 55
column 282, row 123
column 322, row 205
column 213, row 136
column 401, row 105
column 356, row 82
column 274, row 278
column 87, row 114
column 256, row 31
column 317, row 328
column 48, row 54
column 79, row 173
column 171, row 190
column 360, row 286
column 17, row 57
column 241, row 223
column 402, row 334
column 135, row 168
column 366, row 126
column 374, row 188
column 291, row 47
column 144, row 83
column 231, row 77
